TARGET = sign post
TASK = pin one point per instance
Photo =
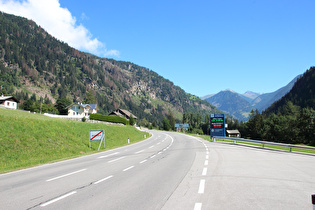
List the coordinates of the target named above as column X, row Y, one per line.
column 97, row 135
column 217, row 125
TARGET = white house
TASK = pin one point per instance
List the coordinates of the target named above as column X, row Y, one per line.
column 9, row 102
column 79, row 110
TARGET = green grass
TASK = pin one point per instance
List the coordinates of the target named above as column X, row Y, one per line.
column 31, row 139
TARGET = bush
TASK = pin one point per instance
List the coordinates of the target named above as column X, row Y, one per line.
column 197, row 131
column 83, row 119
column 107, row 118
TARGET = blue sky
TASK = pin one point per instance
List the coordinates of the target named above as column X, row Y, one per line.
column 201, row 46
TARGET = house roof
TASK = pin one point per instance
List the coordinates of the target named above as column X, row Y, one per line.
column 5, row 98
column 232, row 131
column 92, row 106
column 121, row 112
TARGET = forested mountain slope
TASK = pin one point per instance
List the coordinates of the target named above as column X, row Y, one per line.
column 302, row 94
column 34, row 62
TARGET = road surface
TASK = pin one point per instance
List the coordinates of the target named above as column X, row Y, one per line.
column 166, row 171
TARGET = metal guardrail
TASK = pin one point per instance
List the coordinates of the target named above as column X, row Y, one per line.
column 263, row 143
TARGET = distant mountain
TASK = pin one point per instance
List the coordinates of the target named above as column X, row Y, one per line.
column 232, row 103
column 302, row 94
column 33, row 63
column 239, row 105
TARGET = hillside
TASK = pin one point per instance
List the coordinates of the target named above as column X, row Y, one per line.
column 31, row 139
column 34, row 62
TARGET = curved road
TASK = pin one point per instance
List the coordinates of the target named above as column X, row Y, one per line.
column 166, row 171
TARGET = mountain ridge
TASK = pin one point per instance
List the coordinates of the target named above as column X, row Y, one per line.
column 32, row 62
column 240, row 105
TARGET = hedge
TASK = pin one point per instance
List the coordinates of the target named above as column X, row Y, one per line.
column 107, row 118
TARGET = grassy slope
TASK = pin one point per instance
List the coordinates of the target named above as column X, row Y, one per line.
column 31, row 139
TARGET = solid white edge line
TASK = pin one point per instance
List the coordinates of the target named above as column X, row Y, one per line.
column 116, row 159
column 101, row 180
column 204, row 171
column 198, row 206
column 202, row 186
column 58, row 177
column 57, row 199
column 126, row 169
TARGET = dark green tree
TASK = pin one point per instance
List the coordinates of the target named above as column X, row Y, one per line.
column 132, row 120
column 89, row 98
column 166, row 124
column 61, row 105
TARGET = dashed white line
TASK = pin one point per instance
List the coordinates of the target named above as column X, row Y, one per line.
column 207, row 157
column 99, row 181
column 206, row 162
column 204, row 171
column 57, row 199
column 202, row 186
column 151, row 147
column 152, row 156
column 198, row 206
column 126, row 169
column 116, row 159
column 108, row 155
column 143, row 161
column 58, row 177
column 139, row 151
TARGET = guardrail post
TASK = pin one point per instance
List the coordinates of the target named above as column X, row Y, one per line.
column 263, row 145
column 313, row 201
column 128, row 140
column 290, row 149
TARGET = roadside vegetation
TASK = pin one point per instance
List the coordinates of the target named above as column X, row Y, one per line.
column 28, row 139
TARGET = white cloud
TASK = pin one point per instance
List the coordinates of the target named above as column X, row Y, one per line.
column 58, row 22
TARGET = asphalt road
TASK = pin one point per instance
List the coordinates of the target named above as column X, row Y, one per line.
column 167, row 171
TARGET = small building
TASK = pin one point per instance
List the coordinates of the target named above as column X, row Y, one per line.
column 233, row 133
column 79, row 110
column 122, row 113
column 8, row 102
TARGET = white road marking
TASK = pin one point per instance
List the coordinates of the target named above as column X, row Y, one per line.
column 151, row 147
column 159, row 153
column 126, row 169
column 57, row 199
column 139, row 151
column 202, row 186
column 143, row 161
column 207, row 157
column 58, row 177
column 198, row 206
column 152, row 156
column 108, row 155
column 116, row 159
column 206, row 162
column 99, row 181
column 204, row 171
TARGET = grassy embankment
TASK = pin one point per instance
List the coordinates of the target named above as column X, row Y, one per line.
column 28, row 139
column 265, row 146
